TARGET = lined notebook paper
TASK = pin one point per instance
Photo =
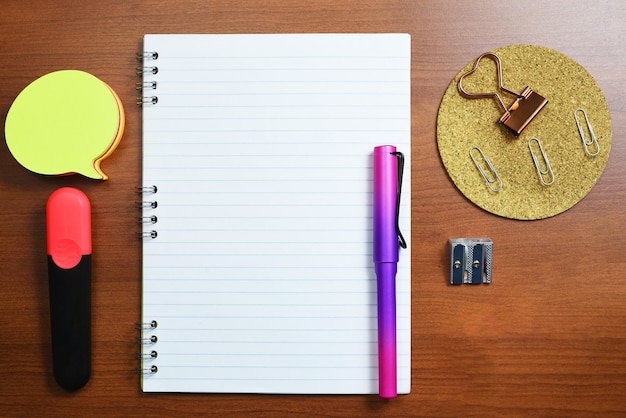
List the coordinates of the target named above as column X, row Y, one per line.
column 259, row 272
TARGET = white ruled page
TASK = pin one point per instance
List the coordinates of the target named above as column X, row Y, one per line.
column 261, row 146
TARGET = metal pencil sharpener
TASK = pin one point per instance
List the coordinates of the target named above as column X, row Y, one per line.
column 470, row 260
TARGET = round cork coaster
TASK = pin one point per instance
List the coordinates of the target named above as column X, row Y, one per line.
column 469, row 128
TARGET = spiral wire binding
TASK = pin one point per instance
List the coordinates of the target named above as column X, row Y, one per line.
column 147, row 204
column 144, row 342
column 147, row 69
column 147, row 325
column 152, row 69
column 147, row 370
column 147, row 55
column 147, row 100
column 147, row 356
column 147, row 189
column 153, row 339
column 146, row 85
column 152, row 204
column 148, row 234
column 144, row 355
column 148, row 219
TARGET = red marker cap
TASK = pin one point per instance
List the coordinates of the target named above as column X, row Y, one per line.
column 69, row 226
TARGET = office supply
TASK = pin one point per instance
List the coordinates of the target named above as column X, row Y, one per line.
column 543, row 167
column 470, row 260
column 387, row 240
column 257, row 270
column 526, row 106
column 463, row 124
column 593, row 141
column 68, row 215
column 493, row 180
column 65, row 122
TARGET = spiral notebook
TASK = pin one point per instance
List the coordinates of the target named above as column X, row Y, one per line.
column 257, row 204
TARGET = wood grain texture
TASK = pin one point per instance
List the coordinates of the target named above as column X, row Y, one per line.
column 546, row 338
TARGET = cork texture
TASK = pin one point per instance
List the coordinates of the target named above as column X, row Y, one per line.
column 465, row 123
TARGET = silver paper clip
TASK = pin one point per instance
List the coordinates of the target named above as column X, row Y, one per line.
column 593, row 141
column 544, row 170
column 493, row 178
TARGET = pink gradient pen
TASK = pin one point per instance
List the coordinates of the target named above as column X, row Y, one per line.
column 388, row 166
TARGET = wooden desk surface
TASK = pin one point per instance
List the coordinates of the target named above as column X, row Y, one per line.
column 547, row 338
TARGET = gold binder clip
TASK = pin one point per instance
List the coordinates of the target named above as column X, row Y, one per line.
column 521, row 112
column 593, row 141
column 544, row 169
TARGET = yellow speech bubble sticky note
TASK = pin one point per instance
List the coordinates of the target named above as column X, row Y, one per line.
column 65, row 122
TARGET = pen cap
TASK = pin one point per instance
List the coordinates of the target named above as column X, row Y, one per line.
column 385, row 237
column 68, row 215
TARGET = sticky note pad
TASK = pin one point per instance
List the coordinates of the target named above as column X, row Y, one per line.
column 65, row 122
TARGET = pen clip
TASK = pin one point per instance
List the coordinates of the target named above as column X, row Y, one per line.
column 400, row 157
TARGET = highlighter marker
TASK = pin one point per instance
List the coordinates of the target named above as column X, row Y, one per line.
column 68, row 216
